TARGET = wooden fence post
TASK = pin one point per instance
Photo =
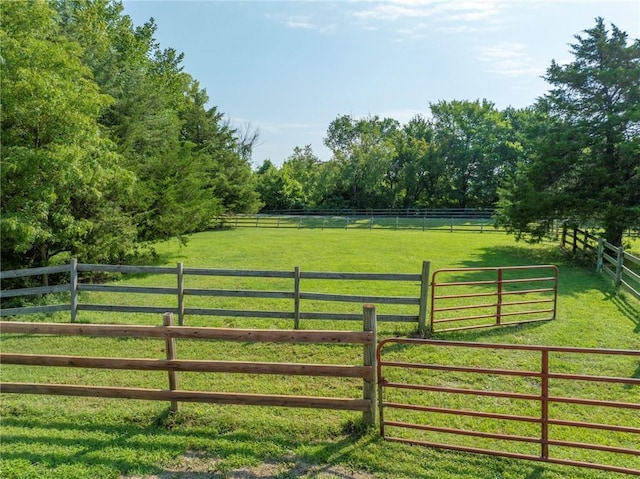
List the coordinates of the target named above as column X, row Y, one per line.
column 574, row 246
column 564, row 235
column 619, row 263
column 600, row 258
column 369, row 391
column 296, row 298
column 180, row 268
column 424, row 294
column 73, row 286
column 585, row 245
column 170, row 346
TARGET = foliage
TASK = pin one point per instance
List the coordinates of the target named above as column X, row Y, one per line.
column 63, row 185
column 106, row 142
column 586, row 164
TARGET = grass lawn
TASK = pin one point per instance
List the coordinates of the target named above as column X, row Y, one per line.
column 59, row 437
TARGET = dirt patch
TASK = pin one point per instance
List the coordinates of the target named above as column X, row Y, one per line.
column 195, row 465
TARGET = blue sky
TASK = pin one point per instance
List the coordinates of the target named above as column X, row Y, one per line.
column 289, row 68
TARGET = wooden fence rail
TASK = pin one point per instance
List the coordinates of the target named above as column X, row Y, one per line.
column 296, row 294
column 367, row 372
column 622, row 267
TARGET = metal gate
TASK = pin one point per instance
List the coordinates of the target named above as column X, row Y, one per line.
column 509, row 295
column 527, row 402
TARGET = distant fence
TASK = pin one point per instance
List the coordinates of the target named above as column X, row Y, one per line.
column 295, row 295
column 622, row 267
column 168, row 332
column 420, row 220
column 543, row 411
column 468, row 213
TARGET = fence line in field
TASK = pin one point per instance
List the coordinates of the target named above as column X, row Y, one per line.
column 296, row 295
column 367, row 371
column 614, row 261
column 451, row 222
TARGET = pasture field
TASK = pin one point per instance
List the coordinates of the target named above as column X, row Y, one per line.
column 60, row 437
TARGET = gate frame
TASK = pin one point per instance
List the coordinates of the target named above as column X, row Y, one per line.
column 543, row 398
column 500, row 294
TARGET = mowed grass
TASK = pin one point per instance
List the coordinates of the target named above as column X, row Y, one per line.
column 59, row 437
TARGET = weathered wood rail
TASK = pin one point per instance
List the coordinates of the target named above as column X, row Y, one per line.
column 367, row 371
column 622, row 267
column 296, row 294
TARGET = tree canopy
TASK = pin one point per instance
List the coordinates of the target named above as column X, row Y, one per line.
column 585, row 166
column 106, row 142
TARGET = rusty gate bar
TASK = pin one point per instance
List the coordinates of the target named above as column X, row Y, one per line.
column 545, row 374
column 500, row 293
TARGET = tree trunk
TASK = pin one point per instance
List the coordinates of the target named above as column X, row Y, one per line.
column 613, row 234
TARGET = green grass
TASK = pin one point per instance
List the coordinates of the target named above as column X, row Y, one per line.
column 58, row 437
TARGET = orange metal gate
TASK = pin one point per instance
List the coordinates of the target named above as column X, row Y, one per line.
column 516, row 294
column 543, row 407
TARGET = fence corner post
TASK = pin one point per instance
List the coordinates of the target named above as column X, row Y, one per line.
column 424, row 294
column 73, row 286
column 170, row 346
column 369, row 391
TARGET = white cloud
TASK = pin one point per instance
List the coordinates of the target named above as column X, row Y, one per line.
column 444, row 10
column 304, row 22
column 510, row 60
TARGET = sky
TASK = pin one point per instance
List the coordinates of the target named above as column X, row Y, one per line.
column 289, row 68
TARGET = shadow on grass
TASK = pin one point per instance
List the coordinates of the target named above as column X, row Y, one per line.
column 573, row 278
column 631, row 309
column 169, row 448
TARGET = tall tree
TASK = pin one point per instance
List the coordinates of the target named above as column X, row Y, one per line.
column 587, row 169
column 472, row 141
column 62, row 183
column 419, row 169
column 364, row 150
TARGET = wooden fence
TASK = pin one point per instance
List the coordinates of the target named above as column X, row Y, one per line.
column 621, row 266
column 173, row 394
column 454, row 222
column 295, row 295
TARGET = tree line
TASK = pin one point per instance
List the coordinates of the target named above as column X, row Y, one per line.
column 108, row 144
column 455, row 158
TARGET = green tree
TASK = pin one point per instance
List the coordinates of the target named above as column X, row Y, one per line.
column 587, row 169
column 363, row 150
column 190, row 164
column 304, row 168
column 62, row 183
column 418, row 167
column 277, row 190
column 472, row 140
